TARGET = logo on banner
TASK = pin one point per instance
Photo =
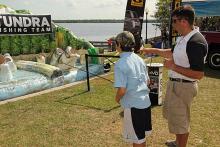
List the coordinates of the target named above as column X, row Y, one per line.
column 137, row 3
column 25, row 24
column 154, row 73
column 177, row 4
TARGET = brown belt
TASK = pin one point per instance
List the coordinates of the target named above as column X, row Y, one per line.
column 180, row 80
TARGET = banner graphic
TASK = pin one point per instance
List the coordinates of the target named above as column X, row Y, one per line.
column 12, row 24
column 134, row 19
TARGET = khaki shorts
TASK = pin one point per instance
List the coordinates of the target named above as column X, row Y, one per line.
column 177, row 103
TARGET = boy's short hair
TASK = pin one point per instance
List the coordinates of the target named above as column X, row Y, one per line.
column 185, row 12
column 126, row 40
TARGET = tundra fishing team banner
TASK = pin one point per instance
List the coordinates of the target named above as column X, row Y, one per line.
column 25, row 24
column 134, row 19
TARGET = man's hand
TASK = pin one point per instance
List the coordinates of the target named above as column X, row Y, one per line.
column 169, row 63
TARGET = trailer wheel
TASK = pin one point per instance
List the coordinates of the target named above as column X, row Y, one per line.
column 214, row 60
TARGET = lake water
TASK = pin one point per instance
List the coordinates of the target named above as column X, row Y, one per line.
column 103, row 31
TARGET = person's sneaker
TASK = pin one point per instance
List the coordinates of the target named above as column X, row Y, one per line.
column 171, row 143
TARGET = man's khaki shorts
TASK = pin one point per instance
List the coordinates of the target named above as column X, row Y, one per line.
column 177, row 103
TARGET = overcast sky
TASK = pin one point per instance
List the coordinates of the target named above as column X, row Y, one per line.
column 77, row 9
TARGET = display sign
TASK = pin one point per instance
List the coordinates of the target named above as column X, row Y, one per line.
column 25, row 24
column 155, row 86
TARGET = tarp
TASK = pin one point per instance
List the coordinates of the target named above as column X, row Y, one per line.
column 205, row 7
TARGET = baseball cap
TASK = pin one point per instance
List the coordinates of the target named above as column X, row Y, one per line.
column 126, row 39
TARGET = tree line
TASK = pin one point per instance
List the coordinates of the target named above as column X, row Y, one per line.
column 99, row 21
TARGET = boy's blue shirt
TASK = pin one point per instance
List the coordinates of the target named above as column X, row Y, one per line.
column 131, row 73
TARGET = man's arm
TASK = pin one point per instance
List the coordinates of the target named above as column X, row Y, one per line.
column 120, row 93
column 184, row 71
column 166, row 53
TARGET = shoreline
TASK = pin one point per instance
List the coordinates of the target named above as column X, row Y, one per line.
column 100, row 21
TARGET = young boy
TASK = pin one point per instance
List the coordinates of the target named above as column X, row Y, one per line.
column 131, row 80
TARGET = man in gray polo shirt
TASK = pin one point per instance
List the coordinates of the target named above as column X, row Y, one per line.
column 186, row 66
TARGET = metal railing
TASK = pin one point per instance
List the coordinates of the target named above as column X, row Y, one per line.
column 87, row 65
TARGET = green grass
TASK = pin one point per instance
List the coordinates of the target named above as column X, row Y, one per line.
column 74, row 117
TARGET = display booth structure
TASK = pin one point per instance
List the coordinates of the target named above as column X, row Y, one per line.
column 155, row 86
